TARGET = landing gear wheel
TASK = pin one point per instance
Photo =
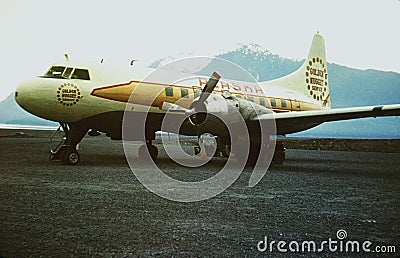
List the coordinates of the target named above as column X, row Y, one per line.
column 279, row 154
column 70, row 157
column 66, row 151
column 252, row 159
column 151, row 149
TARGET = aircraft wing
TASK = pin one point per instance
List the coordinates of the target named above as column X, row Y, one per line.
column 291, row 122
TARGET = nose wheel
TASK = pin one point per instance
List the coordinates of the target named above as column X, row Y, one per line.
column 70, row 157
column 66, row 154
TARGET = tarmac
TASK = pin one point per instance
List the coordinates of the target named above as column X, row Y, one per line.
column 99, row 208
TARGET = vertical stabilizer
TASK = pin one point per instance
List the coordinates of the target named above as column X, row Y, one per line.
column 311, row 79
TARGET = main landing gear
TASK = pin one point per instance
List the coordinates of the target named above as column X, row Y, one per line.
column 279, row 154
column 148, row 147
column 66, row 151
column 278, row 157
column 254, row 154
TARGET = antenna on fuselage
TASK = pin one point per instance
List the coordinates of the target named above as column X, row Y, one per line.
column 102, row 60
column 133, row 61
column 66, row 57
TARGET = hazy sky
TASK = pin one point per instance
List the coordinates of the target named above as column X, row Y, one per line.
column 358, row 33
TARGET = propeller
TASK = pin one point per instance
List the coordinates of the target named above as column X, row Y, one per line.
column 197, row 110
column 210, row 85
column 198, row 106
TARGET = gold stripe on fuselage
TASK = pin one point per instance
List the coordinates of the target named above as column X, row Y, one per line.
column 145, row 92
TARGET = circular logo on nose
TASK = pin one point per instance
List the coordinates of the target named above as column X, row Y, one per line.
column 68, row 94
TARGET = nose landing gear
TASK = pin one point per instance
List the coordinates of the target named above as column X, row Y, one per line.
column 67, row 151
column 66, row 154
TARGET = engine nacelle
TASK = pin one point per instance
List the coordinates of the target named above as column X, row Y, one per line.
column 219, row 112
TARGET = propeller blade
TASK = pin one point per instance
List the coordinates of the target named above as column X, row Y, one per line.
column 211, row 83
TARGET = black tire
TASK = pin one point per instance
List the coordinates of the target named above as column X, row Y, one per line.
column 279, row 154
column 151, row 149
column 70, row 157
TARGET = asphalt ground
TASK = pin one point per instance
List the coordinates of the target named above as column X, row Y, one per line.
column 99, row 208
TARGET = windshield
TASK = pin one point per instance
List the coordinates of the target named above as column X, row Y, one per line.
column 62, row 72
column 55, row 72
column 81, row 74
column 67, row 72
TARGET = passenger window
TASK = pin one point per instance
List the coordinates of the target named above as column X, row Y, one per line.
column 81, row 74
column 238, row 96
column 250, row 98
column 283, row 102
column 184, row 93
column 169, row 91
column 262, row 101
column 273, row 102
column 197, row 93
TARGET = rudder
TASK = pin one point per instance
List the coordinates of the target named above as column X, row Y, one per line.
column 311, row 79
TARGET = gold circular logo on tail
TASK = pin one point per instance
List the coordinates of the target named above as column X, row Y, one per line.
column 317, row 79
column 68, row 94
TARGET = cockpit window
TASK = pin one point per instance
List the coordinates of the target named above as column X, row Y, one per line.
column 81, row 74
column 62, row 72
column 55, row 72
column 67, row 72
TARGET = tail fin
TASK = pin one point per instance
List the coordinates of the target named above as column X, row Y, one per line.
column 311, row 79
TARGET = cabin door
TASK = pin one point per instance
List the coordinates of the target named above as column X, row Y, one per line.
column 295, row 103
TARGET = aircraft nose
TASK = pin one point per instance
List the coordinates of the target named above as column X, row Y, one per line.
column 28, row 95
column 41, row 97
column 20, row 94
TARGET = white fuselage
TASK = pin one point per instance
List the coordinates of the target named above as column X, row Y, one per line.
column 69, row 100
